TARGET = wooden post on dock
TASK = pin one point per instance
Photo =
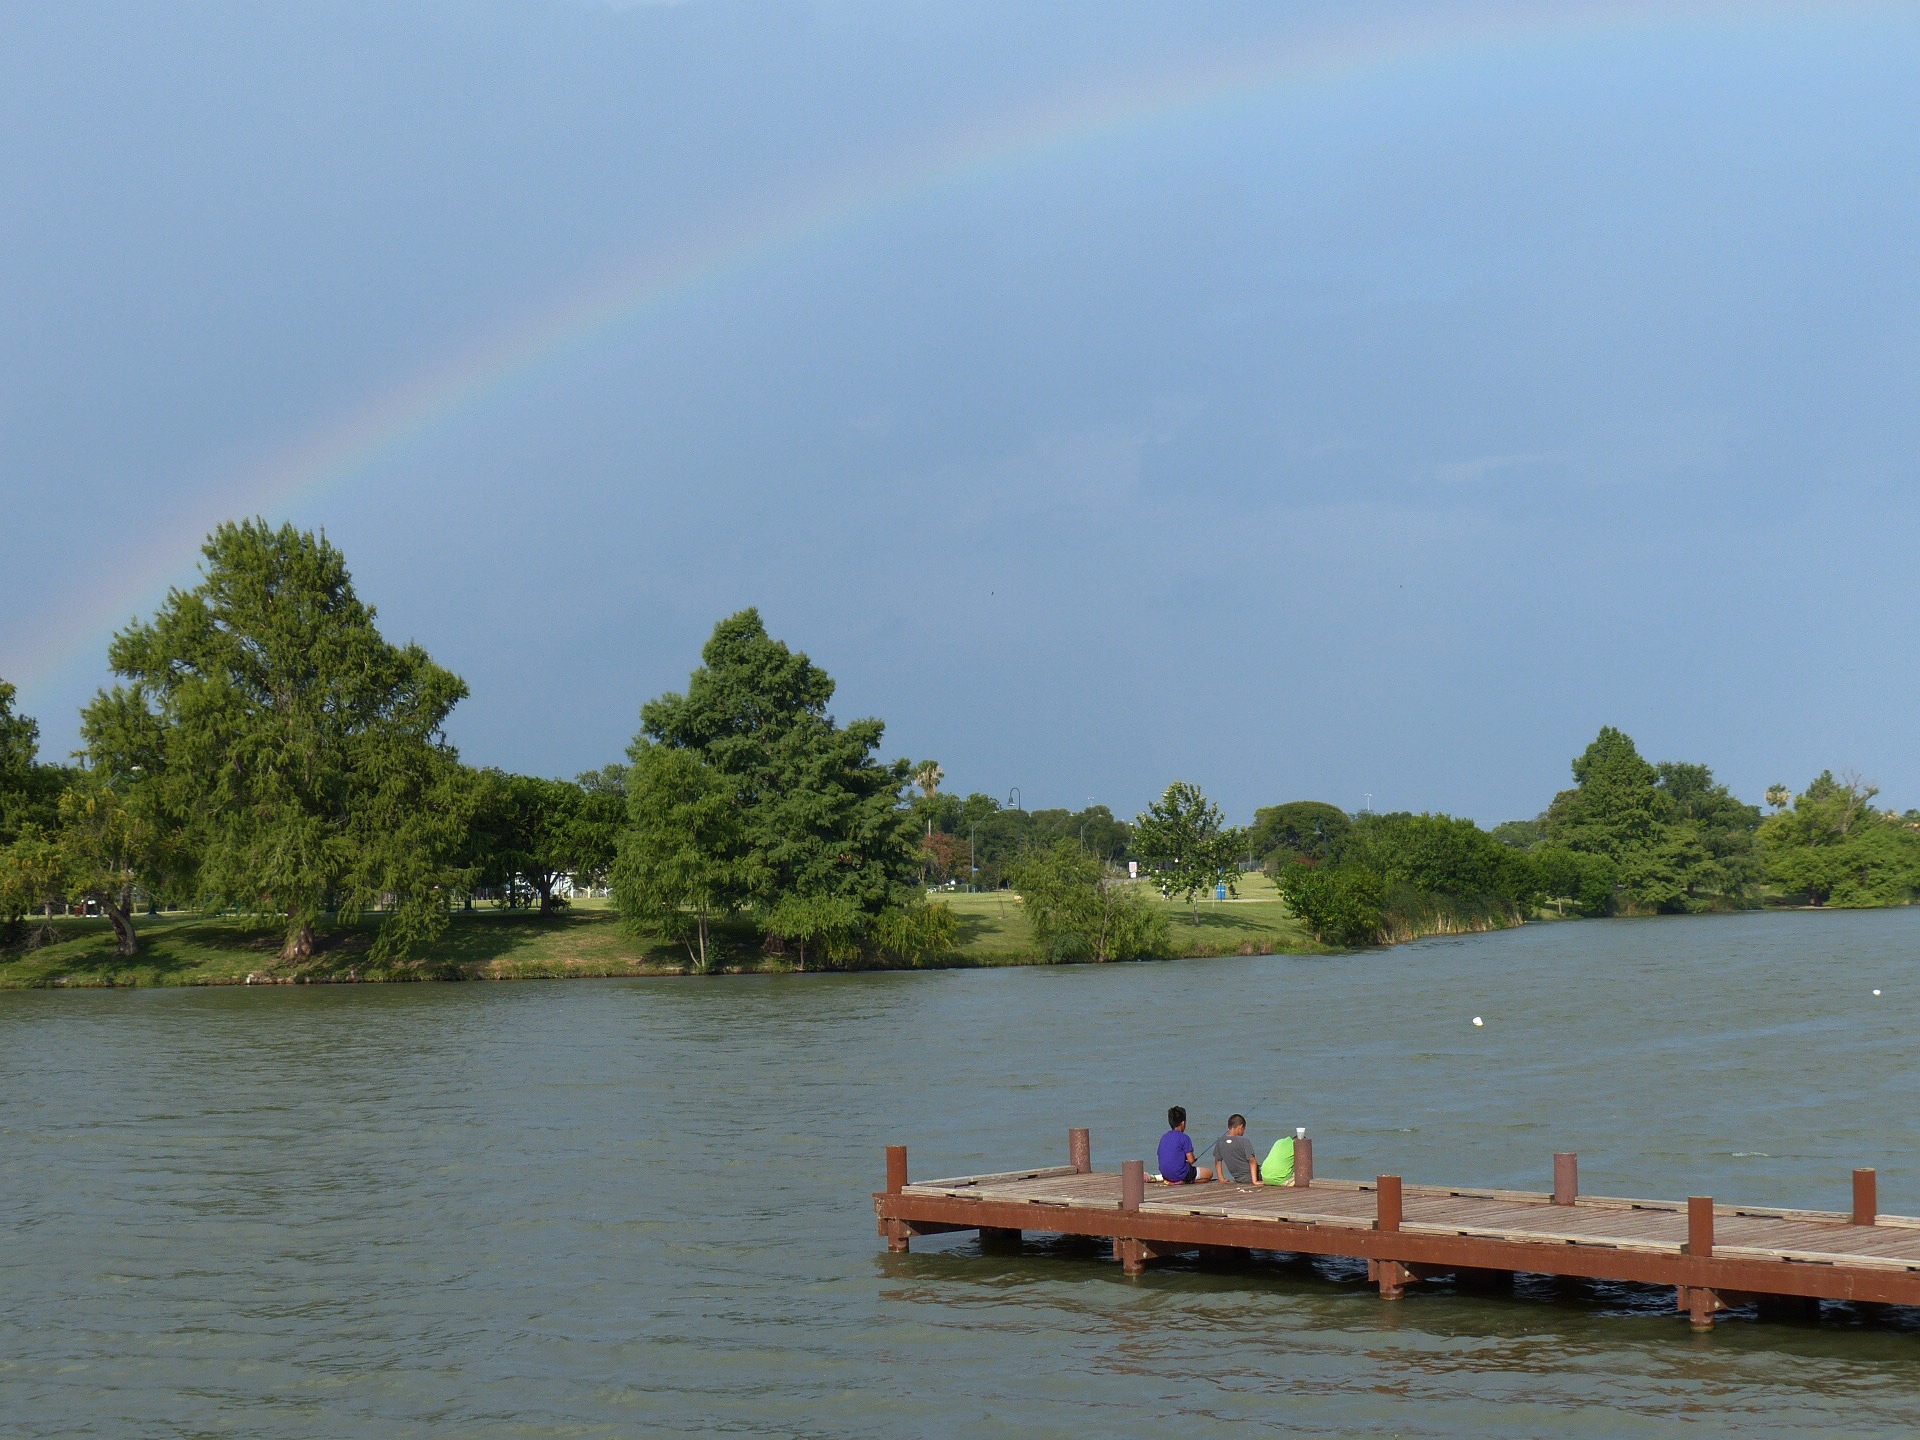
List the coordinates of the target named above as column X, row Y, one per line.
column 1391, row 1274
column 1303, row 1162
column 1699, row 1302
column 1133, row 1189
column 898, row 1235
column 1080, row 1151
column 1866, row 1199
column 1700, row 1226
column 1566, row 1179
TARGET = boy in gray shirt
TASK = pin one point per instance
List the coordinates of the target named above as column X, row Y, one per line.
column 1234, row 1156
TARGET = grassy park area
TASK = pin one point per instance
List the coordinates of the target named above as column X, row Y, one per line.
column 584, row 940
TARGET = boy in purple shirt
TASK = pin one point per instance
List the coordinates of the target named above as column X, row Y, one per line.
column 1176, row 1152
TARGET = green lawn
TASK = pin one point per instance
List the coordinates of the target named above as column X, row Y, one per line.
column 489, row 944
column 993, row 928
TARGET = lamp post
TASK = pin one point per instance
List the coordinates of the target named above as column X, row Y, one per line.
column 973, row 865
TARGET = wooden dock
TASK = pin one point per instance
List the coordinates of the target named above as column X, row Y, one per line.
column 1713, row 1255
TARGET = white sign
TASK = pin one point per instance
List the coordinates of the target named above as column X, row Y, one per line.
column 1133, row 869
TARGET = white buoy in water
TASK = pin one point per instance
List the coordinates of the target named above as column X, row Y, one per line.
column 1876, row 992
column 1478, row 1021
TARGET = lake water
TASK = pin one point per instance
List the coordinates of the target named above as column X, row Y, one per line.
column 599, row 1208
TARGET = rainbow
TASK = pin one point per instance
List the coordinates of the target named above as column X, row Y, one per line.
column 438, row 394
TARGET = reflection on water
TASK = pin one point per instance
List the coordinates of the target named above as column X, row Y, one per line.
column 628, row 1207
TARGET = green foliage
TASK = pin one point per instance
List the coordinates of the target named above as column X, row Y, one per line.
column 1183, row 843
column 19, row 749
column 915, row 933
column 819, row 818
column 1078, row 911
column 1439, row 855
column 29, row 791
column 1310, row 829
column 829, row 927
column 1676, row 839
column 104, row 848
column 296, row 755
column 997, row 837
column 1586, row 880
column 1342, row 906
column 1521, row 834
column 1833, row 847
column 682, row 861
column 539, row 831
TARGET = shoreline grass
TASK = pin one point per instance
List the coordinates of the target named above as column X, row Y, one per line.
column 584, row 940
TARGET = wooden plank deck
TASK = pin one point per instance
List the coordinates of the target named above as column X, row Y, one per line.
column 1713, row 1255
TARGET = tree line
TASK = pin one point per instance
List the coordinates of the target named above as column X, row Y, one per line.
column 1629, row 837
column 264, row 750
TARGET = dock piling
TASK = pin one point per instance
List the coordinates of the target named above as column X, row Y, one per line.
column 1566, row 1179
column 1303, row 1162
column 1866, row 1200
column 1080, row 1151
column 899, row 1234
column 1130, row 1252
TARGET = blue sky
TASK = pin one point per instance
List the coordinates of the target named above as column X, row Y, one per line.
column 1382, row 430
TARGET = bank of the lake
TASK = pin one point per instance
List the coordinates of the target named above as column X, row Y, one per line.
column 582, row 941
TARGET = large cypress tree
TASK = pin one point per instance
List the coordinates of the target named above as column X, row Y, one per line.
column 297, row 757
column 819, row 817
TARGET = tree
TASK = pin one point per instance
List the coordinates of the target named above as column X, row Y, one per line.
column 1078, row 910
column 102, row 847
column 33, row 876
column 1833, row 847
column 1342, row 906
column 537, row 832
column 1438, row 855
column 595, row 837
column 1521, row 834
column 19, row 750
column 1310, row 828
column 1185, row 845
column 681, row 861
column 942, row 856
column 1586, row 880
column 1614, row 808
column 299, row 755
column 29, row 790
column 1677, row 839
column 820, row 818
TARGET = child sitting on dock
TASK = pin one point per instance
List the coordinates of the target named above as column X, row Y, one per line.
column 1234, row 1157
column 1176, row 1152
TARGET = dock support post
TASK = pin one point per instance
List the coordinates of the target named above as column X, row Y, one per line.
column 1303, row 1162
column 1699, row 1302
column 1866, row 1200
column 1080, row 1151
column 1131, row 1253
column 1391, row 1274
column 898, row 1235
column 1566, row 1179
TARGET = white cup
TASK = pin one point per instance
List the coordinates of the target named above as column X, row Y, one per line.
column 1299, row 1132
